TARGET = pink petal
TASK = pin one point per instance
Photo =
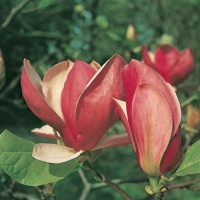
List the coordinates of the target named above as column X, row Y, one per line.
column 2, row 71
column 152, row 126
column 53, row 153
column 96, row 112
column 32, row 93
column 165, row 58
column 173, row 154
column 182, row 68
column 45, row 131
column 113, row 140
column 53, row 83
column 121, row 108
column 137, row 72
column 76, row 82
column 146, row 57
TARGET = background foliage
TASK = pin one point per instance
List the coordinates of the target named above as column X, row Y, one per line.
column 50, row 31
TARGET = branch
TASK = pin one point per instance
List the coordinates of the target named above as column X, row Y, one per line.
column 37, row 33
column 185, row 184
column 189, row 100
column 102, row 178
column 120, row 181
column 13, row 12
column 40, row 192
column 87, row 186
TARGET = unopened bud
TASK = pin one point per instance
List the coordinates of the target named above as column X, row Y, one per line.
column 49, row 188
column 131, row 32
column 193, row 116
column 164, row 189
column 149, row 190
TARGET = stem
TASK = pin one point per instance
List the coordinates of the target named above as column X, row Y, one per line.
column 99, row 177
column 158, row 197
column 40, row 192
column 156, row 187
column 185, row 184
column 87, row 186
column 13, row 12
column 189, row 100
column 188, row 140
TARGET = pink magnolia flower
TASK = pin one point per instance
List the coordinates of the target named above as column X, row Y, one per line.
column 75, row 99
column 173, row 66
column 151, row 116
column 2, row 71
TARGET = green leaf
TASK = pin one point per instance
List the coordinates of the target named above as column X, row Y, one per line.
column 190, row 163
column 44, row 3
column 129, row 44
column 102, row 21
column 114, row 36
column 17, row 161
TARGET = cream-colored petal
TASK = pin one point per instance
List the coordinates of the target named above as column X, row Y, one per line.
column 53, row 153
column 95, row 65
column 45, row 131
column 53, row 84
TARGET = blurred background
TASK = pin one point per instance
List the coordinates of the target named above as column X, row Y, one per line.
column 49, row 31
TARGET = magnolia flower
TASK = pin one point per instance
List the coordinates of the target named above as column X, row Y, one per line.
column 173, row 66
column 75, row 99
column 2, row 71
column 151, row 116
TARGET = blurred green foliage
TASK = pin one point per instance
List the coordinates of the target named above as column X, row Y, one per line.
column 50, row 31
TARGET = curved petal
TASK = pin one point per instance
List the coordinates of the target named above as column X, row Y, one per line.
column 45, row 131
column 78, row 77
column 165, row 58
column 182, row 68
column 166, row 55
column 53, row 83
column 95, row 65
column 32, row 93
column 152, row 126
column 136, row 72
column 121, row 108
column 146, row 57
column 53, row 153
column 113, row 140
column 96, row 111
column 2, row 71
column 173, row 154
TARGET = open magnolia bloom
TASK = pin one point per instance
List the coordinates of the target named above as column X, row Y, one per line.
column 174, row 66
column 151, row 116
column 75, row 99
